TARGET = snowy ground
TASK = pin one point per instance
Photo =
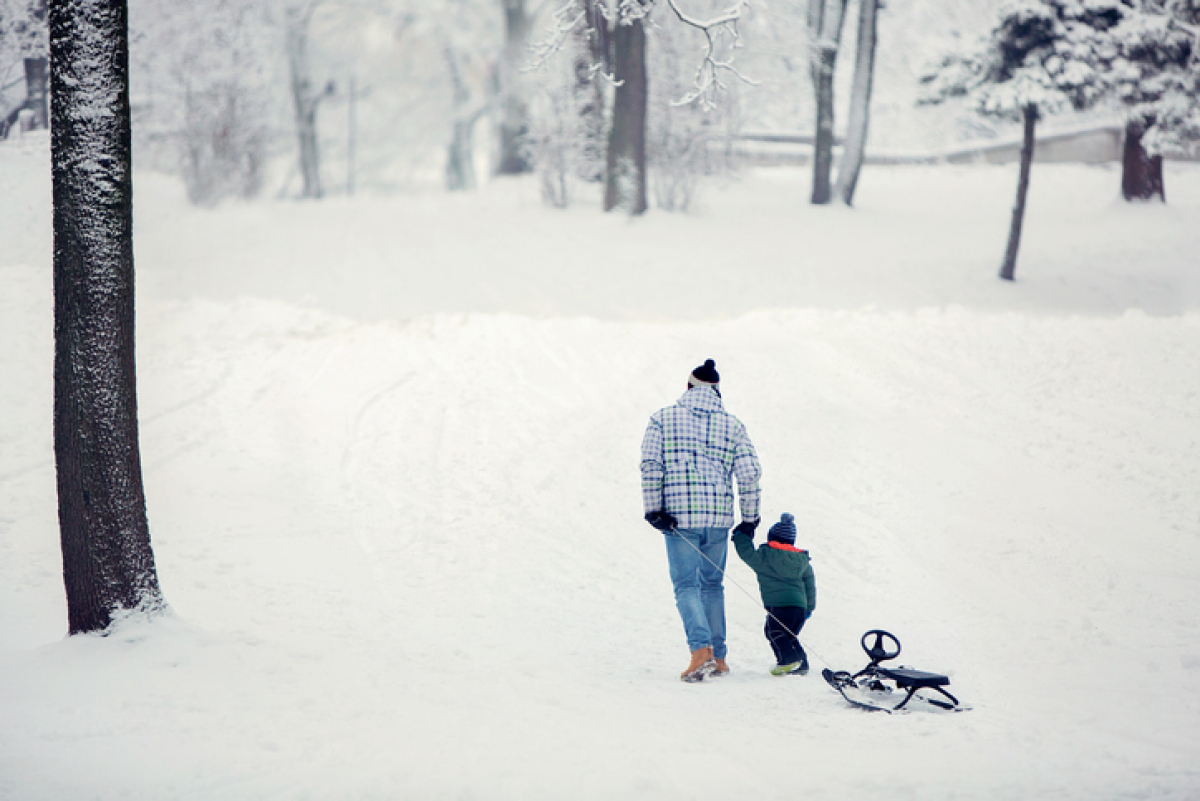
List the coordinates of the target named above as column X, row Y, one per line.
column 390, row 453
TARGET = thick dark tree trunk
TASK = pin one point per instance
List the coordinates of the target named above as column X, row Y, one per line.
column 304, row 98
column 825, row 21
column 108, row 565
column 625, row 166
column 860, row 103
column 1009, row 268
column 1141, row 173
column 514, row 111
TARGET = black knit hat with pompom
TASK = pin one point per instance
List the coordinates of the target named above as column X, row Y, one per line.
column 705, row 375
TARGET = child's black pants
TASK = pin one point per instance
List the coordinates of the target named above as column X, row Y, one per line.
column 783, row 624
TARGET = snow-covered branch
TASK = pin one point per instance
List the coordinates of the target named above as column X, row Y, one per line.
column 708, row 79
column 566, row 20
column 722, row 28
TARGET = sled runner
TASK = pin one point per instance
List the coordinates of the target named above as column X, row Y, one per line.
column 875, row 687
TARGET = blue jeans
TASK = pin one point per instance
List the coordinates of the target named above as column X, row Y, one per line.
column 699, row 592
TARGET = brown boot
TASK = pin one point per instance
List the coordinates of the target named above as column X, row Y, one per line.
column 702, row 665
column 722, row 668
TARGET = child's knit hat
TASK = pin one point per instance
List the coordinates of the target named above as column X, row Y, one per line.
column 784, row 531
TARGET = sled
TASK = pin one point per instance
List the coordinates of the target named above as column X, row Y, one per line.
column 875, row 687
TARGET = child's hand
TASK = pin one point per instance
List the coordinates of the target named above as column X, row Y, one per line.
column 746, row 527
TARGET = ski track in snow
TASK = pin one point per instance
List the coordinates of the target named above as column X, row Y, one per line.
column 405, row 552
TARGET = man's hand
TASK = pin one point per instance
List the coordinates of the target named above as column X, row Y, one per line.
column 663, row 521
column 746, row 527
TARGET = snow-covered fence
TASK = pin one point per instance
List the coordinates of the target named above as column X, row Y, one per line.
column 1096, row 144
column 1099, row 144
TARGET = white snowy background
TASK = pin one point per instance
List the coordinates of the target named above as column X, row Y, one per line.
column 390, row 446
column 391, row 459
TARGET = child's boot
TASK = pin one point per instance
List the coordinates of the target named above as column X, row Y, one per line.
column 796, row 668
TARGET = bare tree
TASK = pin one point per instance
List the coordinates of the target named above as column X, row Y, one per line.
column 625, row 164
column 460, row 155
column 622, row 32
column 567, row 140
column 686, row 141
column 514, row 105
column 825, row 18
column 855, row 148
column 205, row 105
column 305, row 98
column 108, row 564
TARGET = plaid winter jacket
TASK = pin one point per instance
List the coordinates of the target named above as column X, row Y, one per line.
column 690, row 454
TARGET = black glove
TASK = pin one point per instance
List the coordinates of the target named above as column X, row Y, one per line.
column 746, row 527
column 663, row 521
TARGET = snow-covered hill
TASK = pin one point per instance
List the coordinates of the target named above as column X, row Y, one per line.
column 390, row 451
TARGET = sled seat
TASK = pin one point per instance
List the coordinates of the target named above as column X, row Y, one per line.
column 913, row 680
column 907, row 677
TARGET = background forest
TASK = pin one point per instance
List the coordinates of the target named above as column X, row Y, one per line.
column 396, row 91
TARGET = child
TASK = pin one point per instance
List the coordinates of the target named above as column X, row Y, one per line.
column 785, row 579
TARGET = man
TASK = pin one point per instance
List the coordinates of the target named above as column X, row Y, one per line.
column 690, row 454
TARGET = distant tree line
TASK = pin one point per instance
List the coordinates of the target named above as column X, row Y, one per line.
column 640, row 97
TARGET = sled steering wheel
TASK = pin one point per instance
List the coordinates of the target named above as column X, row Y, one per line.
column 873, row 642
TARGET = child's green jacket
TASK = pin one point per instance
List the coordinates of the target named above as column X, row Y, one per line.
column 785, row 577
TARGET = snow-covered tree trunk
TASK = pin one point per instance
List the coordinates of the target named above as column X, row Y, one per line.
column 825, row 31
column 1141, row 174
column 625, row 165
column 1029, row 115
column 514, row 107
column 108, row 565
column 304, row 98
column 860, row 103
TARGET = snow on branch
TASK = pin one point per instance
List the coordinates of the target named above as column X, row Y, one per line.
column 708, row 80
column 721, row 34
column 565, row 21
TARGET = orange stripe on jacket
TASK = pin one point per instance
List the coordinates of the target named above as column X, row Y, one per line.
column 783, row 546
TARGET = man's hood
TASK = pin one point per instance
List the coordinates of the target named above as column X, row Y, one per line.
column 701, row 400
